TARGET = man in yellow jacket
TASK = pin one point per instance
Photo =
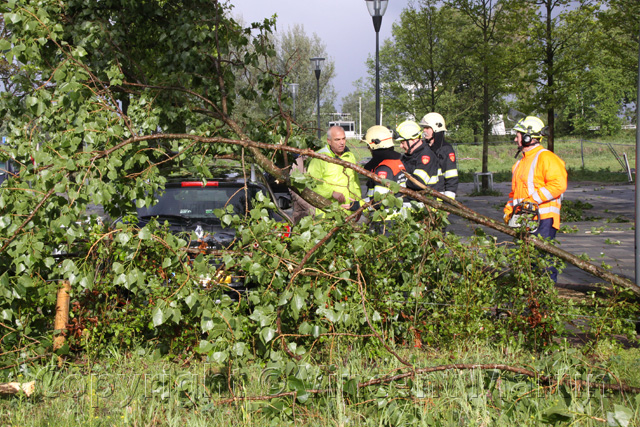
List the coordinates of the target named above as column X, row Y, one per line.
column 333, row 181
column 539, row 177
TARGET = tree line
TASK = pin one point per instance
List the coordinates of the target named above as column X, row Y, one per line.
column 572, row 63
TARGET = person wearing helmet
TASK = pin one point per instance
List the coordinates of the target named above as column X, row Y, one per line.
column 539, row 177
column 434, row 128
column 385, row 161
column 419, row 160
column 334, row 181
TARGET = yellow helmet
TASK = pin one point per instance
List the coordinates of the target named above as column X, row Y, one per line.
column 408, row 130
column 378, row 137
column 434, row 121
column 532, row 127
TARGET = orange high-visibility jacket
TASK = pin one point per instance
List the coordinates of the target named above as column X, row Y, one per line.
column 540, row 177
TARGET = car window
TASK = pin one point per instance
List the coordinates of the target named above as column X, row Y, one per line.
column 198, row 202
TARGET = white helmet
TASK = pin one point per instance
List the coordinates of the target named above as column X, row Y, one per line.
column 378, row 137
column 408, row 130
column 434, row 121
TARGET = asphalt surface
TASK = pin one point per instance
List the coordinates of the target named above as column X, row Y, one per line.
column 606, row 233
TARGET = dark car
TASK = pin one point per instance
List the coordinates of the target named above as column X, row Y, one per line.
column 188, row 206
column 280, row 191
column 7, row 169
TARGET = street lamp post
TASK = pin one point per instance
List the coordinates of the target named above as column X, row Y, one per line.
column 317, row 67
column 377, row 8
column 293, row 88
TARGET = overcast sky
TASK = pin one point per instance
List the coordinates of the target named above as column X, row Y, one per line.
column 345, row 27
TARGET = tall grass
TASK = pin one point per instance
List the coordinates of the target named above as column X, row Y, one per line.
column 136, row 390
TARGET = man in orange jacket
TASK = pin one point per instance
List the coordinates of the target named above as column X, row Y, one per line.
column 539, row 177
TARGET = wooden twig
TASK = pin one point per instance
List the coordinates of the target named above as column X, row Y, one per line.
column 15, row 388
column 62, row 316
column 544, row 379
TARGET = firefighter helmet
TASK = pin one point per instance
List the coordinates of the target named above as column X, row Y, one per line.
column 378, row 137
column 531, row 128
column 408, row 130
column 434, row 121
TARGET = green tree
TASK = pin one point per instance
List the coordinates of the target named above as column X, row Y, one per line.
column 491, row 48
column 596, row 103
column 620, row 38
column 559, row 47
column 424, row 67
column 107, row 92
column 295, row 48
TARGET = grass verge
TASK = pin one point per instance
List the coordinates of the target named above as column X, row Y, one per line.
column 134, row 389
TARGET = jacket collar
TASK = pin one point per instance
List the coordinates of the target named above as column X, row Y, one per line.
column 533, row 151
column 332, row 154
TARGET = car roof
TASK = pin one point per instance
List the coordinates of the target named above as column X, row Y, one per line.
column 222, row 174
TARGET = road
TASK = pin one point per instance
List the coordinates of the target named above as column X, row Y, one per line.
column 607, row 238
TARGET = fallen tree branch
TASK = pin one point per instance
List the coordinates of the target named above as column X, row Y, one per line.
column 350, row 218
column 542, row 379
column 366, row 317
column 428, row 198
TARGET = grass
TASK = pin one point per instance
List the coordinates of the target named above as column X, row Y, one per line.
column 586, row 160
column 133, row 389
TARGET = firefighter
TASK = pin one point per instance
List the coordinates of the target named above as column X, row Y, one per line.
column 385, row 161
column 433, row 134
column 538, row 178
column 419, row 160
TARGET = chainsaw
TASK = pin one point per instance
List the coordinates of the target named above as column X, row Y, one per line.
column 525, row 216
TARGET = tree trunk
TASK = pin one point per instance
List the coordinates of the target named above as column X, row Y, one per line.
column 550, row 82
column 485, row 129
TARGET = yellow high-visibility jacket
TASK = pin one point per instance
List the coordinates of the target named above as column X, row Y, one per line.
column 540, row 177
column 330, row 177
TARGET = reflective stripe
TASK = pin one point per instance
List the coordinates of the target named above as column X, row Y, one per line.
column 515, row 167
column 536, row 198
column 451, row 173
column 546, row 193
column 414, row 205
column 450, row 194
column 549, row 210
column 380, row 189
column 370, row 192
column 429, row 180
column 532, row 171
column 531, row 188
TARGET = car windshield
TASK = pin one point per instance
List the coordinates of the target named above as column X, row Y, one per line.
column 198, row 202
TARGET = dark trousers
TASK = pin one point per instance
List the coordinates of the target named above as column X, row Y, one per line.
column 547, row 231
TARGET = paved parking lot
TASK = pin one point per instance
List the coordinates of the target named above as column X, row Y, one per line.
column 608, row 239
